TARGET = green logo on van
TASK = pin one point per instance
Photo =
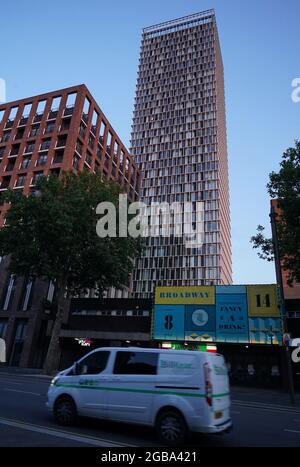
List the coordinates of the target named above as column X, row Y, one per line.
column 174, row 364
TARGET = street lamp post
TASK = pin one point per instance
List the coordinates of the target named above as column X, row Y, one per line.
column 282, row 303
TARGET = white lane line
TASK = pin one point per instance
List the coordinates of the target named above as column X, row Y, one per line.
column 23, row 392
column 12, row 382
column 64, row 434
column 292, row 431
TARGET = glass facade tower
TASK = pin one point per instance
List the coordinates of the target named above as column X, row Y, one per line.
column 179, row 143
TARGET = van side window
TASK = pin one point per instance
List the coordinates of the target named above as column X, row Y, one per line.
column 136, row 363
column 93, row 364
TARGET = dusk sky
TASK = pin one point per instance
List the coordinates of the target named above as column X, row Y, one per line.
column 52, row 45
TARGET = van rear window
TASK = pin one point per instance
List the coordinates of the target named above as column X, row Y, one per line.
column 136, row 363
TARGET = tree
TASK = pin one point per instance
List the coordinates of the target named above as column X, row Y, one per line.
column 51, row 234
column 284, row 186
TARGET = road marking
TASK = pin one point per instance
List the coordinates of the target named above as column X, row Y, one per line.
column 266, row 407
column 100, row 442
column 12, row 382
column 23, row 392
column 292, row 431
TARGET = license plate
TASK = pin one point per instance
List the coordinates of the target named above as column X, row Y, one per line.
column 218, row 415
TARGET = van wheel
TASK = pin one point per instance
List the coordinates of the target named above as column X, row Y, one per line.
column 171, row 428
column 65, row 412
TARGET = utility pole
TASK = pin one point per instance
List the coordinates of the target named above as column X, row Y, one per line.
column 285, row 347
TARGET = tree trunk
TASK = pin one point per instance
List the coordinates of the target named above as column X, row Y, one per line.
column 51, row 364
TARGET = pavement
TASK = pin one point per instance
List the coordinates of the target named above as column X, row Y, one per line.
column 261, row 417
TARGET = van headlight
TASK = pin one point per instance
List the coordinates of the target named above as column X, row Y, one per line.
column 54, row 381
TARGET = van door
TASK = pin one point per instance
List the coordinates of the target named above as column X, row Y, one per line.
column 130, row 391
column 92, row 384
column 217, row 387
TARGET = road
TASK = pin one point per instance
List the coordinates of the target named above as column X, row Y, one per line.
column 25, row 421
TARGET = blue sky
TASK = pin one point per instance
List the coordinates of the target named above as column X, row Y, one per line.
column 52, row 45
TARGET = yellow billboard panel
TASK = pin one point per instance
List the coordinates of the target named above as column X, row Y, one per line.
column 262, row 300
column 204, row 295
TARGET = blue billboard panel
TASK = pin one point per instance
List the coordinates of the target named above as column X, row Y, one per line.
column 265, row 330
column 201, row 318
column 232, row 318
column 169, row 322
column 231, row 289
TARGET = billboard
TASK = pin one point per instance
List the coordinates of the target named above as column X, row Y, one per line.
column 232, row 314
column 200, row 323
column 169, row 322
column 262, row 300
column 232, row 317
column 204, row 295
column 265, row 331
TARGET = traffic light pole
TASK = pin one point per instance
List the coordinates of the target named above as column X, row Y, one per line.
column 282, row 303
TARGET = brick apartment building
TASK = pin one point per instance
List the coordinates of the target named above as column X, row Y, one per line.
column 41, row 135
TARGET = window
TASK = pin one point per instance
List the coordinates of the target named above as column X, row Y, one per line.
column 36, row 176
column 21, row 179
column 58, row 156
column 6, row 136
column 29, row 148
column 3, row 326
column 50, row 128
column 26, row 296
column 8, row 293
column 42, row 159
column 79, row 147
column 54, row 107
column 76, row 160
column 5, row 182
column 61, row 141
column 108, row 142
column 20, row 133
column 14, row 150
column 35, row 130
column 94, row 121
column 25, row 162
column 136, row 363
column 82, row 128
column 70, row 103
column 86, row 108
column 10, row 164
column 93, row 364
column 45, row 144
column 65, row 124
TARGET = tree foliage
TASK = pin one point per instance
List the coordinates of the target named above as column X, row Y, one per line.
column 284, row 186
column 51, row 234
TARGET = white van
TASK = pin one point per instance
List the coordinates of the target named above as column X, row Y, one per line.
column 176, row 391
